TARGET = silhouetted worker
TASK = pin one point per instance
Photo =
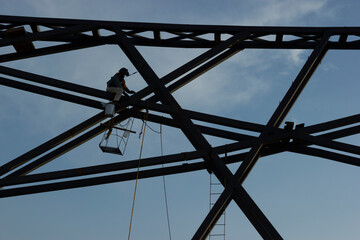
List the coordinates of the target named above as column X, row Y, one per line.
column 117, row 84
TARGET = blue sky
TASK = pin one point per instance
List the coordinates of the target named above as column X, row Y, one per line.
column 304, row 197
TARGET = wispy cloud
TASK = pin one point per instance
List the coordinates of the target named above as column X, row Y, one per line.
column 278, row 12
column 295, row 56
column 223, row 89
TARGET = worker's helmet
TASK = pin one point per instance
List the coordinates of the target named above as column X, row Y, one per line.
column 124, row 71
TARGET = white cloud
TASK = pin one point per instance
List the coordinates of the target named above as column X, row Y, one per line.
column 329, row 66
column 279, row 12
column 222, row 89
column 296, row 56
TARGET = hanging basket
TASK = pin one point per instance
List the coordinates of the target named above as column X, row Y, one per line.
column 115, row 139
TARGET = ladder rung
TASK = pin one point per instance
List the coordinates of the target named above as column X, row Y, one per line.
column 219, row 232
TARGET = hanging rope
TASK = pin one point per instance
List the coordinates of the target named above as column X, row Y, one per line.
column 111, row 123
column 143, row 128
column 164, row 184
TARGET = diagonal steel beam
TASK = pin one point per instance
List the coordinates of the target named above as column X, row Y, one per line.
column 320, row 141
column 203, row 129
column 187, row 127
column 333, row 124
column 275, row 121
column 326, row 154
column 190, row 131
column 204, row 117
column 66, row 147
column 204, row 68
column 22, row 159
column 286, row 104
column 55, row 83
column 51, row 93
column 343, row 132
column 199, row 60
column 300, row 82
column 166, row 79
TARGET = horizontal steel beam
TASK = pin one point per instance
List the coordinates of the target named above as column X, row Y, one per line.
column 296, row 147
column 44, row 35
column 70, row 37
column 99, row 180
column 145, row 26
column 66, row 47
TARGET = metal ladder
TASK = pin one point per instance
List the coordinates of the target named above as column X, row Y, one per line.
column 216, row 188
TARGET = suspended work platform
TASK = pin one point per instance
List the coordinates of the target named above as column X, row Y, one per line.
column 115, row 139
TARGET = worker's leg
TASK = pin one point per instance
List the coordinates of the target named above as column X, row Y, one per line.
column 117, row 90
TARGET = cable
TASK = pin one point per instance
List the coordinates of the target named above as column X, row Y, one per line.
column 142, row 132
column 164, row 184
column 143, row 127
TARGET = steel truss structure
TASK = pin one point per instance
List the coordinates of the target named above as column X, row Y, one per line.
column 32, row 37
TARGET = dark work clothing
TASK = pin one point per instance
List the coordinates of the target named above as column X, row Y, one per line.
column 117, row 86
column 116, row 81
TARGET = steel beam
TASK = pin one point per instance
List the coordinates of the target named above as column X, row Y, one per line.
column 204, row 117
column 203, row 57
column 51, row 143
column 191, row 132
column 204, row 68
column 198, row 61
column 297, row 147
column 44, row 35
column 286, row 104
column 203, row 129
column 190, row 36
column 53, row 49
column 343, row 132
column 56, row 83
column 66, row 147
column 326, row 155
column 98, row 180
column 320, row 141
column 183, row 168
column 275, row 121
column 51, row 93
column 68, row 35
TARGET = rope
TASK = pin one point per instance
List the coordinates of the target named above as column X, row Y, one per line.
column 142, row 132
column 143, row 128
column 164, row 184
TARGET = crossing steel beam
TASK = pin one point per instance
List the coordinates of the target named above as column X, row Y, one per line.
column 32, row 37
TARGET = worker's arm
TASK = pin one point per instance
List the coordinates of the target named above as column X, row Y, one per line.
column 127, row 89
